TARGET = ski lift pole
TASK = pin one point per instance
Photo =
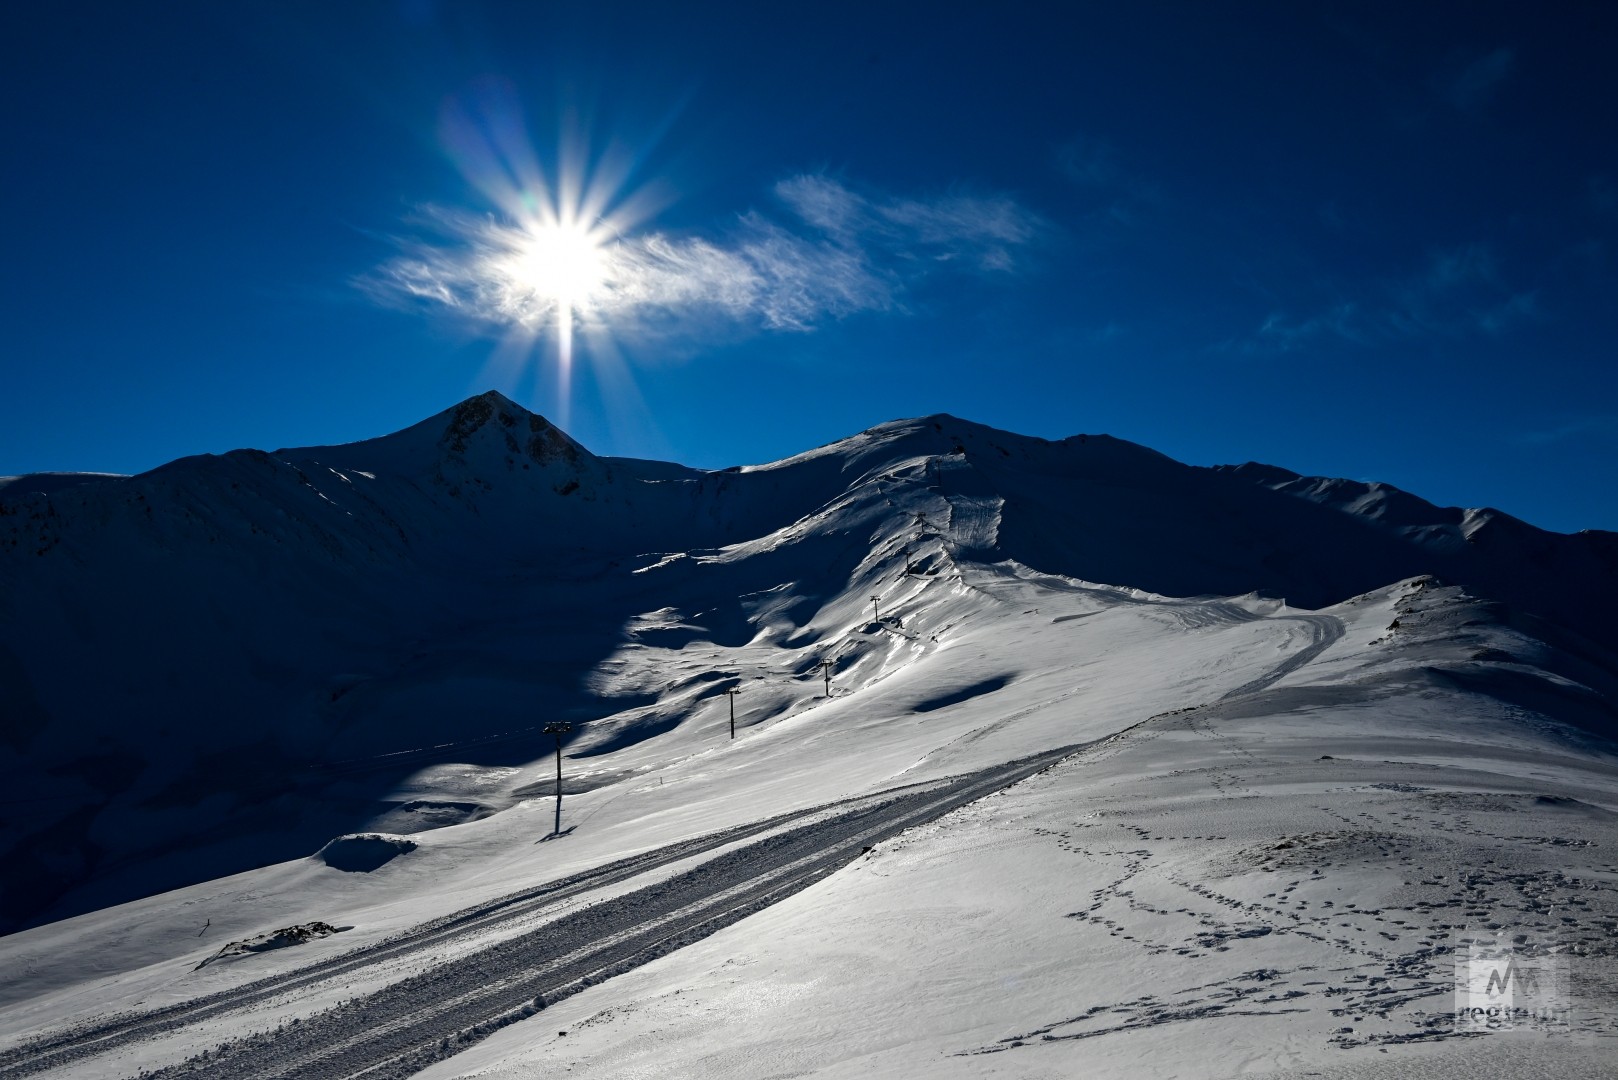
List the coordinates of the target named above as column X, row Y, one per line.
column 731, row 694
column 825, row 672
column 558, row 729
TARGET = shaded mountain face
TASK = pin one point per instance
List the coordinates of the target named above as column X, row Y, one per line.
column 228, row 660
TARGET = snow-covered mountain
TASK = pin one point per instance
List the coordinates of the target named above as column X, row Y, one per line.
column 219, row 666
column 218, row 663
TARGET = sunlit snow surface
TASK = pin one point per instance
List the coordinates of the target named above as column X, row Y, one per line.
column 1287, row 820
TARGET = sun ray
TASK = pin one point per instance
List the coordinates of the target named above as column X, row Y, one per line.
column 560, row 256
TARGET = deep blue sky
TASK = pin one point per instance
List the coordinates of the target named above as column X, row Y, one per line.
column 1374, row 241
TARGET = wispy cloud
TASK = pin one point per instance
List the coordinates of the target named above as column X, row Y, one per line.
column 983, row 232
column 826, row 251
column 1281, row 332
column 1459, row 292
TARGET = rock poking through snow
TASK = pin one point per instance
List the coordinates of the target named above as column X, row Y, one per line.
column 276, row 939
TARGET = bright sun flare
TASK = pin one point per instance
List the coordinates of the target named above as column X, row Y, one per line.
column 562, row 264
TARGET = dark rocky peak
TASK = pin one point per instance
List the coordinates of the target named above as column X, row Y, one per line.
column 488, row 431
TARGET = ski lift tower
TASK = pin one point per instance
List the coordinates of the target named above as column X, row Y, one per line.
column 558, row 729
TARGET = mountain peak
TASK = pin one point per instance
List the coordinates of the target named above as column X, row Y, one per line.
column 959, row 435
column 544, row 439
column 485, row 426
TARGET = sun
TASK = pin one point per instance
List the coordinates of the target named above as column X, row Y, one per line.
column 554, row 272
column 561, row 265
column 559, row 260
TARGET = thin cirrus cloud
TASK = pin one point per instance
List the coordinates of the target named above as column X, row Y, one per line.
column 1460, row 292
column 827, row 253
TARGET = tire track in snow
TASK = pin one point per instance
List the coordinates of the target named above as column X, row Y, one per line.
column 81, row 1041
column 1324, row 631
column 404, row 1026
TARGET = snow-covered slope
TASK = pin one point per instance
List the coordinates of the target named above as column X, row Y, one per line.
column 225, row 666
column 204, row 665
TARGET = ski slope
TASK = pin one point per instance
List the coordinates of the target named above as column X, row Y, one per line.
column 1048, row 821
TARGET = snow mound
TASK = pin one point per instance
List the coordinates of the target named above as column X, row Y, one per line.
column 360, row 853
